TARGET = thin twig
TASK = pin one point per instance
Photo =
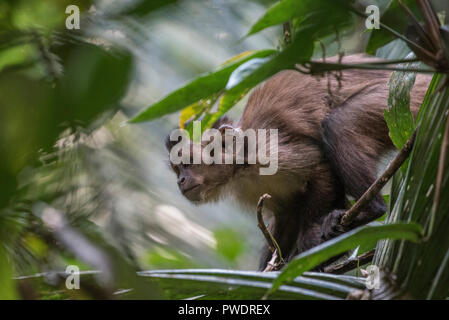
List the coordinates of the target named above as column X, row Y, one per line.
column 308, row 66
column 272, row 265
column 261, row 223
column 375, row 188
column 271, row 242
column 350, row 264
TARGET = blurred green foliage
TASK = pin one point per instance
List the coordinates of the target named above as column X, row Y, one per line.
column 168, row 258
column 230, row 245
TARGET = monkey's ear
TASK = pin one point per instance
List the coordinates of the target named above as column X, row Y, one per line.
column 223, row 128
column 222, row 121
column 228, row 129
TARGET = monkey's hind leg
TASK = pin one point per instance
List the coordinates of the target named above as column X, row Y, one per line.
column 285, row 230
column 354, row 140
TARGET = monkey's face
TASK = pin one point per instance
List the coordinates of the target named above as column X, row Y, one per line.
column 202, row 183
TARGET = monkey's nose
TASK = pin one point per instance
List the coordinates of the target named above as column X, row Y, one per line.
column 181, row 180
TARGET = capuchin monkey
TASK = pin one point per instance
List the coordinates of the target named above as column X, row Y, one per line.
column 331, row 137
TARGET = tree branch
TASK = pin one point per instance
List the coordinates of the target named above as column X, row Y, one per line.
column 350, row 264
column 375, row 188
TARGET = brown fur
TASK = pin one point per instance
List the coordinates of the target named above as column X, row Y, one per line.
column 329, row 146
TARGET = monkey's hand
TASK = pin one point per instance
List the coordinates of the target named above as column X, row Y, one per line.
column 331, row 226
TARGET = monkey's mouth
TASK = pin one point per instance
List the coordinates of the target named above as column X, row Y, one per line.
column 191, row 192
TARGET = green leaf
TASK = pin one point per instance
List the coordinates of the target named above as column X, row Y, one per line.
column 194, row 111
column 164, row 257
column 230, row 244
column 422, row 270
column 17, row 55
column 363, row 236
column 299, row 51
column 7, row 285
column 95, row 80
column 235, row 284
column 398, row 116
column 396, row 49
column 334, row 12
column 202, row 87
